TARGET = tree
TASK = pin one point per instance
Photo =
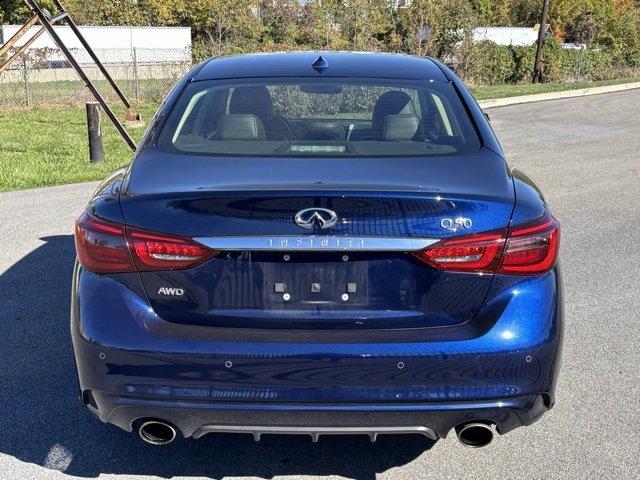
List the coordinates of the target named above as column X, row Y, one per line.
column 582, row 29
column 324, row 24
column 280, row 24
column 367, row 23
column 221, row 22
column 483, row 10
column 13, row 11
column 435, row 28
column 105, row 12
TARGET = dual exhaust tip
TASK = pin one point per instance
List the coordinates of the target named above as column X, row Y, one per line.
column 157, row 432
column 475, row 434
column 472, row 434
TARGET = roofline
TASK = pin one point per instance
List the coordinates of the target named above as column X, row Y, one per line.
column 318, row 52
column 209, row 60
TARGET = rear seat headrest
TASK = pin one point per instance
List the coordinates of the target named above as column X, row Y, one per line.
column 393, row 102
column 241, row 126
column 400, row 127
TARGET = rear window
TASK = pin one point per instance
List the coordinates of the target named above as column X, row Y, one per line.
column 319, row 117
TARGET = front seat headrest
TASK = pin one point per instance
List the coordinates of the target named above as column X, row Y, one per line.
column 393, row 102
column 400, row 127
column 240, row 127
column 254, row 100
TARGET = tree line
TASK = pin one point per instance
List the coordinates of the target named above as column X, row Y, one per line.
column 610, row 29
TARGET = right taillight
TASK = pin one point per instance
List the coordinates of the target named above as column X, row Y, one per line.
column 471, row 253
column 531, row 249
column 525, row 250
column 108, row 247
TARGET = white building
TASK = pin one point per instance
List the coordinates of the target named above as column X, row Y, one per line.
column 514, row 36
column 114, row 44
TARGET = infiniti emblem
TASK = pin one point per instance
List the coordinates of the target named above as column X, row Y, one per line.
column 322, row 217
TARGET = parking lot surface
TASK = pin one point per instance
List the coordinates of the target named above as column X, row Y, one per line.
column 583, row 152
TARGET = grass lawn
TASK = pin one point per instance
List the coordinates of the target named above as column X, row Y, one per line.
column 502, row 91
column 40, row 93
column 48, row 146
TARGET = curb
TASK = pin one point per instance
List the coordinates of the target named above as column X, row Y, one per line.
column 539, row 97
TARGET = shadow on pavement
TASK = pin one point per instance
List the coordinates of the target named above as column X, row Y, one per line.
column 44, row 423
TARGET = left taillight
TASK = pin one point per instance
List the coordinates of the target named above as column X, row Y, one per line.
column 108, row 247
column 102, row 245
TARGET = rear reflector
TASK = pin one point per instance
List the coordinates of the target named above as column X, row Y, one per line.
column 108, row 247
column 525, row 250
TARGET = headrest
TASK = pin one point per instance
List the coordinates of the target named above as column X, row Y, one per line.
column 254, row 100
column 393, row 102
column 400, row 127
column 240, row 127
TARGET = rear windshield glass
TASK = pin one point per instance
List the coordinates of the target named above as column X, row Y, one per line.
column 319, row 117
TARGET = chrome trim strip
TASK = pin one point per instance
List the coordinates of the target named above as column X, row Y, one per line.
column 316, row 243
column 314, row 432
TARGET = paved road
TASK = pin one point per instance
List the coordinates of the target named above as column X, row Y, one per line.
column 584, row 152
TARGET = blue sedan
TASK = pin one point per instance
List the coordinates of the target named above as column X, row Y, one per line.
column 318, row 243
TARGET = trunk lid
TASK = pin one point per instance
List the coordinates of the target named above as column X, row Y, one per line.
column 273, row 274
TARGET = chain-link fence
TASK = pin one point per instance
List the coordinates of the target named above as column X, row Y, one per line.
column 488, row 64
column 45, row 77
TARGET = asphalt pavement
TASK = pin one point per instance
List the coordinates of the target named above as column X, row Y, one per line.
column 583, row 152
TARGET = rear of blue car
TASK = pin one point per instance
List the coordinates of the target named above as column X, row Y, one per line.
column 303, row 253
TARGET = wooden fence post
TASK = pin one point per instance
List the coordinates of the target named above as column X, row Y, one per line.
column 96, row 148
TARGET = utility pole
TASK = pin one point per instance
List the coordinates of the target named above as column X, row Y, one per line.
column 537, row 66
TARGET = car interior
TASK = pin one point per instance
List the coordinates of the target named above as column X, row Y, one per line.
column 321, row 119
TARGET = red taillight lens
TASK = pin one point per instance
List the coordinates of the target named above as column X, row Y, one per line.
column 108, row 247
column 532, row 249
column 475, row 253
column 158, row 251
column 527, row 250
column 102, row 245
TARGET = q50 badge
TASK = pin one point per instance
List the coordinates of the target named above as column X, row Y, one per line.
column 455, row 224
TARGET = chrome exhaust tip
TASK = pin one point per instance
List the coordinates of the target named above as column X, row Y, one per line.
column 475, row 434
column 156, row 432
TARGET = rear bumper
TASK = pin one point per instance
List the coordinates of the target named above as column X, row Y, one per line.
column 133, row 365
column 433, row 420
